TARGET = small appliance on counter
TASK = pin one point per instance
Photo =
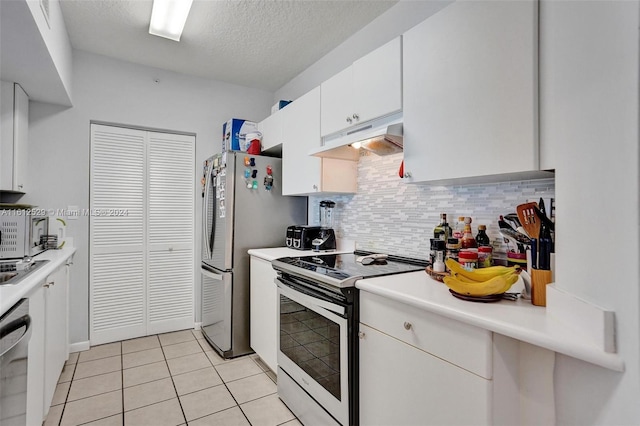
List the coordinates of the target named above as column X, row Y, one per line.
column 21, row 232
column 300, row 237
column 326, row 239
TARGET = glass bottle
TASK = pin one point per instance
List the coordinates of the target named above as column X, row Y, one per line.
column 459, row 229
column 467, row 238
column 482, row 238
column 442, row 231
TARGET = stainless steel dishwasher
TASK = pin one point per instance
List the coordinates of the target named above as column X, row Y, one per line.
column 15, row 331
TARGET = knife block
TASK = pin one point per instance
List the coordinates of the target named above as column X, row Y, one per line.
column 539, row 280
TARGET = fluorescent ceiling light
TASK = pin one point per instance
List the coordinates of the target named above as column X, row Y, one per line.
column 168, row 18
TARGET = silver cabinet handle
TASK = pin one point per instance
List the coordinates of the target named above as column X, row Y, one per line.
column 356, row 117
column 349, row 120
column 315, row 187
column 407, row 325
column 361, row 334
column 49, row 284
column 407, row 174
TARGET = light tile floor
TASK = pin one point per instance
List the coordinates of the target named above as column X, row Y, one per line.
column 170, row 379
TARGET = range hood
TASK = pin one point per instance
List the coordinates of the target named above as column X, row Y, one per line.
column 382, row 137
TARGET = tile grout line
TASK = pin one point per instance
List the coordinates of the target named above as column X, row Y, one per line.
column 184, row 416
column 122, row 378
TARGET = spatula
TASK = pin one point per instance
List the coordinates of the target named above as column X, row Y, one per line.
column 529, row 219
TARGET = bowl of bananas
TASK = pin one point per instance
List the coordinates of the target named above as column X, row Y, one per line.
column 480, row 285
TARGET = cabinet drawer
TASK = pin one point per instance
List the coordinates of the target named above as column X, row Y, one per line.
column 464, row 345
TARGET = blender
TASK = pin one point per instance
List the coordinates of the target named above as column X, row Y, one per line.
column 326, row 240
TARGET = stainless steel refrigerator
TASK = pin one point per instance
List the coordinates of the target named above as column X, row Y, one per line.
column 243, row 208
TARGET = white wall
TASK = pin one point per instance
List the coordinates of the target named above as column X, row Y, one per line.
column 589, row 119
column 395, row 21
column 120, row 92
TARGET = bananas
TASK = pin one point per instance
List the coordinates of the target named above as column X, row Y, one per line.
column 480, row 282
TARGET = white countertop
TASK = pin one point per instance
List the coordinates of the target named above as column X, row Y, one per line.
column 10, row 294
column 519, row 320
column 277, row 252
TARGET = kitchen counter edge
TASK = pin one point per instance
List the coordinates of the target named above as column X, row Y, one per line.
column 9, row 295
column 519, row 320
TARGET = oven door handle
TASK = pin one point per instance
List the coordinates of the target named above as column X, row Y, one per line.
column 304, row 299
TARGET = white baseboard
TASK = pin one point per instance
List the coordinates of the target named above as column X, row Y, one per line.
column 197, row 326
column 79, row 346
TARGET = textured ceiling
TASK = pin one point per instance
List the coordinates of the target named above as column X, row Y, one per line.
column 254, row 43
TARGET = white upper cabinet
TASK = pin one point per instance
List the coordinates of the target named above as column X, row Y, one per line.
column 14, row 128
column 368, row 89
column 470, row 78
column 303, row 174
column 271, row 129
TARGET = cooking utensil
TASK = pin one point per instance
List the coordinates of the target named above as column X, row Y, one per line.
column 513, row 218
column 529, row 219
column 534, row 253
column 544, row 219
column 515, row 235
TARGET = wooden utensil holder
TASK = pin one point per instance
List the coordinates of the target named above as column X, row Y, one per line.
column 539, row 280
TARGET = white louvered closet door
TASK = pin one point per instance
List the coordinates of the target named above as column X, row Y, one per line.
column 142, row 264
column 171, row 232
column 117, row 243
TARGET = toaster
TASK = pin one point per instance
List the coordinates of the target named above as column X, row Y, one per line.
column 300, row 237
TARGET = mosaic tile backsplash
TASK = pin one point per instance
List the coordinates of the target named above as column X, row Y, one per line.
column 391, row 216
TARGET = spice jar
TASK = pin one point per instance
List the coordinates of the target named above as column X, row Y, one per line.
column 453, row 248
column 437, row 245
column 468, row 259
column 485, row 256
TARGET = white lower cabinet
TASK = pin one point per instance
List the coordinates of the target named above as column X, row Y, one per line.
column 49, row 343
column 264, row 312
column 418, row 368
column 403, row 385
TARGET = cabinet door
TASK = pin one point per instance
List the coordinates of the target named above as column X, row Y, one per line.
column 20, row 138
column 271, row 129
column 37, row 352
column 300, row 134
column 14, row 128
column 470, row 91
column 402, row 385
column 337, row 102
column 56, row 331
column 377, row 82
column 264, row 312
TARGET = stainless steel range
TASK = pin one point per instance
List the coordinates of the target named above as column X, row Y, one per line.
column 318, row 320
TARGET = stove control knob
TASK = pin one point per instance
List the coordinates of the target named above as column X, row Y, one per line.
column 407, row 326
column 361, row 334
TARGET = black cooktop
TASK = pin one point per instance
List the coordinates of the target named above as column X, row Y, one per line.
column 345, row 269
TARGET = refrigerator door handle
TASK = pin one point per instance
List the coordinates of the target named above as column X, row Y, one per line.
column 217, row 277
column 205, row 213
column 212, row 233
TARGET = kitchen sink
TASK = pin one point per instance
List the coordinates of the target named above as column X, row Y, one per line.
column 17, row 275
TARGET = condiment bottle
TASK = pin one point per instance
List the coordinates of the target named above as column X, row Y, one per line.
column 482, row 238
column 468, row 259
column 467, row 238
column 459, row 229
column 438, row 265
column 442, row 231
column 485, row 256
column 453, row 248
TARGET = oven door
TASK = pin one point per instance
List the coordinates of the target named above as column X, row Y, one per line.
column 313, row 346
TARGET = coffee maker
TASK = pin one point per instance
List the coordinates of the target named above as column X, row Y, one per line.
column 326, row 239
